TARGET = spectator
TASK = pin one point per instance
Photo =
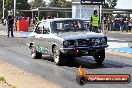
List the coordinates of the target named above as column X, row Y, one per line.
column 122, row 24
column 36, row 19
column 105, row 24
column 116, row 24
column 126, row 24
column 10, row 21
column 110, row 25
column 49, row 17
column 130, row 25
column 24, row 18
column 95, row 22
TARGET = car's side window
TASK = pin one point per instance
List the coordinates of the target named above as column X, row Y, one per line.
column 46, row 29
column 42, row 28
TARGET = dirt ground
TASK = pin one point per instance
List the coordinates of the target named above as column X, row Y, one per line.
column 4, row 85
column 17, row 78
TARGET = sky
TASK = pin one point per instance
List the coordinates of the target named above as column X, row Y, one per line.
column 124, row 4
column 121, row 4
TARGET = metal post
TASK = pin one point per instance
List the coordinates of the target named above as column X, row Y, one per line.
column 32, row 14
column 38, row 13
column 100, row 13
column 14, row 8
column 80, row 12
column 3, row 9
column 57, row 15
column 14, row 14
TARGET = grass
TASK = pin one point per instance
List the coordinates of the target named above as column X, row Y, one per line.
column 3, row 80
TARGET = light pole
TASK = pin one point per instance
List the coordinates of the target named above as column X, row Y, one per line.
column 14, row 8
column 14, row 14
column 3, row 9
column 32, row 14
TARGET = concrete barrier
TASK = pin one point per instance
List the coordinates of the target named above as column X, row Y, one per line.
column 117, row 45
column 130, row 45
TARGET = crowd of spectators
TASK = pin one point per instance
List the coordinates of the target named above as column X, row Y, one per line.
column 118, row 24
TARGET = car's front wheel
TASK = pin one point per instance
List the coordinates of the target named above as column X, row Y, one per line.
column 99, row 56
column 58, row 57
column 35, row 54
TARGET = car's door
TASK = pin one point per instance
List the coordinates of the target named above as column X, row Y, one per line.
column 40, row 37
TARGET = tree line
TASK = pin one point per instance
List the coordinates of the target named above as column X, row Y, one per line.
column 25, row 5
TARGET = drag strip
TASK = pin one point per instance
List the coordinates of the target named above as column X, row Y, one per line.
column 15, row 52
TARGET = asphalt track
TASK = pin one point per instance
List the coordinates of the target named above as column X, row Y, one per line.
column 15, row 51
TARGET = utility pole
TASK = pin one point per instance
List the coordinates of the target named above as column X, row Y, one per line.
column 14, row 8
column 3, row 9
column 14, row 14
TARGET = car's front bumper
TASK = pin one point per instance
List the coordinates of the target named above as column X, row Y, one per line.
column 80, row 51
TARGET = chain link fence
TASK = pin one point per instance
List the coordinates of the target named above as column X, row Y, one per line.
column 84, row 12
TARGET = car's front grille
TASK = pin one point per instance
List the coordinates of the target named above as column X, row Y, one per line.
column 89, row 42
column 84, row 42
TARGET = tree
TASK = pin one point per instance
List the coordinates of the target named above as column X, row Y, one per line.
column 9, row 5
column 59, row 3
column 110, row 3
column 0, row 9
column 22, row 4
column 37, row 3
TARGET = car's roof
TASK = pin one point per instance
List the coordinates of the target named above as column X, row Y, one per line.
column 59, row 19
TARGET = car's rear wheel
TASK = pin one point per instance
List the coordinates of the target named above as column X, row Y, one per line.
column 35, row 54
column 99, row 56
column 58, row 57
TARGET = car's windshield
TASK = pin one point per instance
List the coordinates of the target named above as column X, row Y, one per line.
column 67, row 26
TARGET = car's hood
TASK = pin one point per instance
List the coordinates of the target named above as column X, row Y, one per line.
column 79, row 35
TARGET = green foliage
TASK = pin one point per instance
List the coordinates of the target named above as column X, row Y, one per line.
column 0, row 9
column 110, row 3
column 9, row 5
column 37, row 3
column 2, row 79
column 22, row 4
column 59, row 3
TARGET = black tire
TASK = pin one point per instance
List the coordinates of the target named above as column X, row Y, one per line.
column 81, row 80
column 58, row 57
column 35, row 54
column 99, row 56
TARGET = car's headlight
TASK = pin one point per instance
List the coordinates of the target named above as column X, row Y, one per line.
column 97, row 40
column 104, row 39
column 65, row 43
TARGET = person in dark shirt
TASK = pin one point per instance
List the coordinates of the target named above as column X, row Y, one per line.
column 122, row 24
column 10, row 20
